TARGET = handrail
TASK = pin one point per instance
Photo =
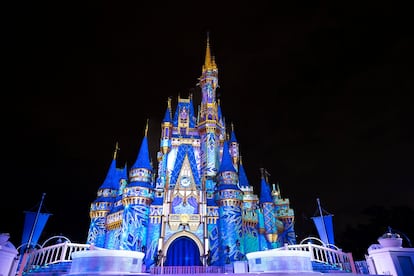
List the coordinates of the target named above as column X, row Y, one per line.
column 56, row 253
column 325, row 255
column 63, row 253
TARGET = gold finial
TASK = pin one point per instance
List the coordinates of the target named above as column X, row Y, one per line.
column 169, row 103
column 209, row 62
column 116, row 150
column 262, row 172
column 232, row 127
column 146, row 128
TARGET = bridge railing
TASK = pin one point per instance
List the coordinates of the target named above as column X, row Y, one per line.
column 322, row 254
column 63, row 253
column 57, row 253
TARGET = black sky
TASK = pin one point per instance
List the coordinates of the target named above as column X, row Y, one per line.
column 319, row 94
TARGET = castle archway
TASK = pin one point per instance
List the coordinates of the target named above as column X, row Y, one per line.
column 183, row 249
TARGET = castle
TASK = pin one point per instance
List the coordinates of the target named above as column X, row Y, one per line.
column 198, row 207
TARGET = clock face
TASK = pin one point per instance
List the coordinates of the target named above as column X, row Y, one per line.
column 185, row 181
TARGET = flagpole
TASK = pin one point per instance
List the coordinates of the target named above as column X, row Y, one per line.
column 323, row 221
column 35, row 221
column 26, row 251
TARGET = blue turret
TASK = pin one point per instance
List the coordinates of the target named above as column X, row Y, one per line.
column 115, row 215
column 229, row 198
column 102, row 205
column 243, row 181
column 166, row 130
column 234, row 147
column 268, row 212
column 137, row 198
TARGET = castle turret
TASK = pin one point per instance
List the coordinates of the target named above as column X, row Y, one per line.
column 285, row 217
column 209, row 124
column 268, row 212
column 115, row 215
column 102, row 205
column 137, row 197
column 234, row 147
column 229, row 199
column 166, row 130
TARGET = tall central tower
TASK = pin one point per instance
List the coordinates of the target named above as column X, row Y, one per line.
column 197, row 207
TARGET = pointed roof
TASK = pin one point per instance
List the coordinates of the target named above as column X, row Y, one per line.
column 111, row 180
column 219, row 113
column 226, row 160
column 265, row 194
column 143, row 158
column 232, row 135
column 209, row 62
column 193, row 119
column 167, row 116
column 188, row 105
column 243, row 181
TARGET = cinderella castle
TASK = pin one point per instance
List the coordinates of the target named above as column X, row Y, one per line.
column 197, row 207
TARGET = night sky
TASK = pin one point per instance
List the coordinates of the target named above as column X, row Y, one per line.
column 319, row 95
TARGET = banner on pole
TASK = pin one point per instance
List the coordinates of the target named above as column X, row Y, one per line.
column 325, row 228
column 29, row 222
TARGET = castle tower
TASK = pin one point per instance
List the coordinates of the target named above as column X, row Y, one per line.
column 285, row 216
column 137, row 197
column 229, row 199
column 102, row 205
column 115, row 215
column 250, row 216
column 234, row 148
column 209, row 124
column 267, row 205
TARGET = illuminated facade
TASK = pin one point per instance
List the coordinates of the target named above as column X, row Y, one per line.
column 198, row 207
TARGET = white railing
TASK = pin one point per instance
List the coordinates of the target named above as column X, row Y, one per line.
column 326, row 255
column 63, row 253
column 57, row 253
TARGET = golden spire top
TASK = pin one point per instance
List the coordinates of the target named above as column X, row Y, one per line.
column 232, row 127
column 169, row 103
column 146, row 128
column 209, row 62
column 116, row 150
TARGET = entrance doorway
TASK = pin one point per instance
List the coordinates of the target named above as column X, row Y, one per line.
column 183, row 252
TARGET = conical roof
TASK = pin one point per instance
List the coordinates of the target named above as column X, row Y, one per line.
column 226, row 160
column 143, row 158
column 265, row 194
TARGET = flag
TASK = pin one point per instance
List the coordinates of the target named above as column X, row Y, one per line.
column 325, row 228
column 29, row 222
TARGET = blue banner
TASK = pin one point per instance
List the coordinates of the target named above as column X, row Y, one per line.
column 29, row 222
column 325, row 228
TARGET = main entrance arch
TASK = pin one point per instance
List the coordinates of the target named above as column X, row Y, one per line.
column 183, row 251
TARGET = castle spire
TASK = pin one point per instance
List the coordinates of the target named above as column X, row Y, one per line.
column 209, row 62
column 116, row 150
column 265, row 191
column 146, row 129
column 143, row 159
